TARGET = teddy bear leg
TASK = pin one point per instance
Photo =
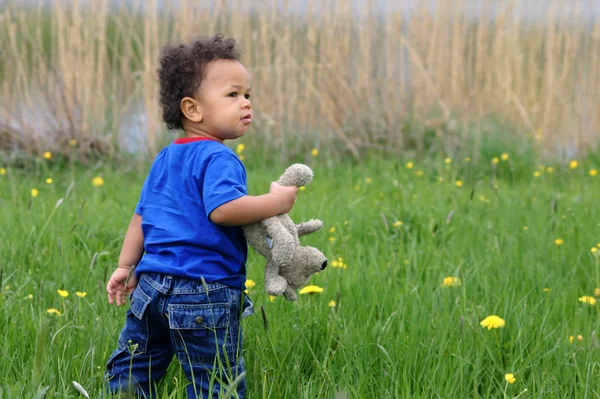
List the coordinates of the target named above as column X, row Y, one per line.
column 274, row 283
column 290, row 294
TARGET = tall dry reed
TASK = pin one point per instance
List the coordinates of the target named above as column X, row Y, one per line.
column 325, row 74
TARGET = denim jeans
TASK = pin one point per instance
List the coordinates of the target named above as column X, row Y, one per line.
column 198, row 323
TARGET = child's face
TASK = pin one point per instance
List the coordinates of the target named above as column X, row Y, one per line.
column 224, row 100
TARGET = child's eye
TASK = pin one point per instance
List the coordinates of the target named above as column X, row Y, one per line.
column 234, row 94
column 247, row 96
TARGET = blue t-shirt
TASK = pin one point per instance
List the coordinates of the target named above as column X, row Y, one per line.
column 187, row 181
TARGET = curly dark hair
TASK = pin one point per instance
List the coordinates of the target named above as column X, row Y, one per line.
column 182, row 69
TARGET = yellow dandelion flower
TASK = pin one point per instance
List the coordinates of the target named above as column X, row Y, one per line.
column 546, row 290
column 34, row 192
column 597, row 292
column 525, row 228
column 356, row 187
column 468, row 159
column 332, row 230
column 504, row 157
column 571, row 339
column 54, row 311
column 239, row 149
column 510, row 378
column 573, row 164
column 590, row 300
column 30, row 296
column 409, row 165
column 2, row 171
column 72, row 143
column 302, row 188
column 593, row 172
column 368, row 180
column 49, row 180
column 594, row 250
column 492, row 321
column 241, row 157
column 311, row 289
column 440, row 179
column 63, row 293
column 335, row 264
column 406, row 261
column 97, row 181
column 459, row 183
column 451, row 282
column 549, row 169
column 495, row 160
column 250, row 284
column 47, row 155
column 537, row 173
column 314, row 152
column 580, row 338
column 398, row 223
column 419, row 173
column 272, row 298
column 331, row 304
column 559, row 241
column 448, row 161
column 332, row 239
column 81, row 294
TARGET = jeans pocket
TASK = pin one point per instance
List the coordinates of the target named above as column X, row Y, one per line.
column 134, row 335
column 203, row 333
column 248, row 307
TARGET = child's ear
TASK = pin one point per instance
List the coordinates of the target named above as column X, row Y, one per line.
column 191, row 109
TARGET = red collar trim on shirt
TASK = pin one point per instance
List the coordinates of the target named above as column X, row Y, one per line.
column 185, row 140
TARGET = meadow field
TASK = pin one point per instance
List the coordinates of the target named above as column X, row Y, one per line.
column 420, row 254
column 456, row 171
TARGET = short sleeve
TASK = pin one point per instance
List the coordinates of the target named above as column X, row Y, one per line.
column 224, row 181
column 140, row 205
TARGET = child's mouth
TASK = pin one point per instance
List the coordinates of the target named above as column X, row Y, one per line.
column 247, row 119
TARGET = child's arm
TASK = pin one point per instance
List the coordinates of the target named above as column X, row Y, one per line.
column 133, row 244
column 251, row 209
column 123, row 280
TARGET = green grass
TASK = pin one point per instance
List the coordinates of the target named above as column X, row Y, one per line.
column 395, row 331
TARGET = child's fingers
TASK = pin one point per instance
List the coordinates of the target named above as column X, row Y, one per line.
column 110, row 291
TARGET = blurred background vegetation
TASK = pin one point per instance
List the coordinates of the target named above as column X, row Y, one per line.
column 347, row 77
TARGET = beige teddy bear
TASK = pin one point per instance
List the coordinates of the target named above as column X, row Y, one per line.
column 289, row 265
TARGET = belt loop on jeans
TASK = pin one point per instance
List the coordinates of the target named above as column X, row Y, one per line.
column 169, row 283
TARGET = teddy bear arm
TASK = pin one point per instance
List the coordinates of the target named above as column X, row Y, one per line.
column 290, row 294
column 309, row 227
column 274, row 283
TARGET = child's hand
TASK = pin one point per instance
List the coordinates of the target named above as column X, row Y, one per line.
column 286, row 196
column 121, row 283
